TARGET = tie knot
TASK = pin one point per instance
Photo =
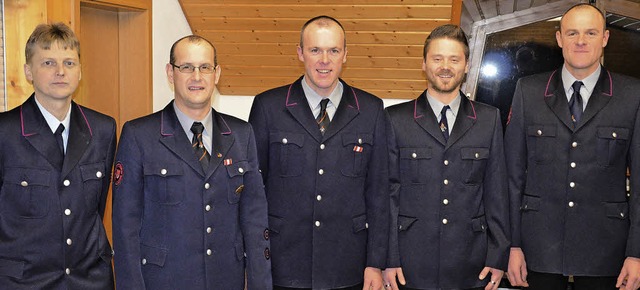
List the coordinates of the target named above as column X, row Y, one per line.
column 197, row 128
column 444, row 110
column 323, row 104
column 576, row 86
column 59, row 130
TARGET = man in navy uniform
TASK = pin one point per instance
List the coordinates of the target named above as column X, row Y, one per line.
column 189, row 210
column 55, row 164
column 571, row 136
column 450, row 208
column 323, row 155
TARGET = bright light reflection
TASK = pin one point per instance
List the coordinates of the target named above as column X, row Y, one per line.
column 489, row 70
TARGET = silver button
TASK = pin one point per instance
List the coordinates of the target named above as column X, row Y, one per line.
column 366, row 225
column 444, row 221
column 163, row 171
column 477, row 155
column 207, row 207
column 573, row 165
column 446, row 162
column 574, row 144
column 318, row 197
column 66, row 182
column 614, row 135
column 69, row 242
column 621, row 214
column 240, row 170
column 67, row 271
column 445, row 201
column 571, row 204
column 98, row 174
column 572, row 184
column 322, row 146
column 285, row 141
column 359, row 140
column 321, row 172
column 67, row 212
column 446, row 181
column 207, row 185
column 209, row 230
column 144, row 261
column 317, row 223
column 209, row 252
column 414, row 155
column 24, row 183
column 539, row 132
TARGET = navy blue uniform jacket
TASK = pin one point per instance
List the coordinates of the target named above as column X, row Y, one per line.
column 570, row 211
column 450, row 206
column 176, row 226
column 51, row 231
column 328, row 195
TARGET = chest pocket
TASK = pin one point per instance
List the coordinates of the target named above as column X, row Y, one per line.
column 92, row 182
column 287, row 150
column 541, row 140
column 414, row 165
column 236, row 172
column 475, row 160
column 356, row 149
column 162, row 183
column 26, row 192
column 612, row 145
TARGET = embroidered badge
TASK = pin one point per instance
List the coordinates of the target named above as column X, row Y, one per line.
column 118, row 174
column 228, row 162
column 357, row 149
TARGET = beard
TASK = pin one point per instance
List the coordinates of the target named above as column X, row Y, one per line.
column 445, row 88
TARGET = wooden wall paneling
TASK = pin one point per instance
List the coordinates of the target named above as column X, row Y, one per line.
column 325, row 2
column 456, row 11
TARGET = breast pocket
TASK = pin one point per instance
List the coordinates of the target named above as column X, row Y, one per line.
column 236, row 172
column 287, row 150
column 475, row 160
column 162, row 183
column 355, row 153
column 541, row 140
column 26, row 192
column 414, row 167
column 612, row 145
column 92, row 178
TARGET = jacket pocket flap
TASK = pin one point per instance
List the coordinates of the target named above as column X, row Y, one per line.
column 11, row 268
column 360, row 223
column 153, row 255
column 166, row 169
column 404, row 222
column 238, row 168
column 27, row 176
column 530, row 202
column 541, row 130
column 275, row 224
column 613, row 133
column 618, row 210
column 92, row 171
column 415, row 153
column 287, row 138
column 479, row 224
column 358, row 139
column 474, row 153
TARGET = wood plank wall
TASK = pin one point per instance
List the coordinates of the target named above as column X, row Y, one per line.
column 256, row 40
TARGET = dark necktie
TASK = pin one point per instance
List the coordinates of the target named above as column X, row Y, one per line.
column 444, row 125
column 58, row 135
column 575, row 103
column 323, row 117
column 198, row 147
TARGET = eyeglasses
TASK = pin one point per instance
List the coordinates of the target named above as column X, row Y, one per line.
column 187, row 68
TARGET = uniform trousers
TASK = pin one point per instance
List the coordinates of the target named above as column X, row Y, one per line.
column 356, row 287
column 547, row 281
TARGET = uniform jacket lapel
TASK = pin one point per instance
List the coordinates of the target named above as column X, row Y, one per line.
column 297, row 105
column 600, row 96
column 348, row 109
column 79, row 138
column 465, row 119
column 36, row 131
column 222, row 140
column 423, row 115
column 173, row 137
column 556, row 99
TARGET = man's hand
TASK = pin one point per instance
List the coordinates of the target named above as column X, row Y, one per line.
column 496, row 276
column 390, row 278
column 517, row 272
column 372, row 279
column 629, row 278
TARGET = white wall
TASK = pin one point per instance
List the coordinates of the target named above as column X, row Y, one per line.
column 170, row 24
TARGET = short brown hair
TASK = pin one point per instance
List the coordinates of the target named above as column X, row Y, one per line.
column 194, row 39
column 322, row 20
column 44, row 35
column 449, row 31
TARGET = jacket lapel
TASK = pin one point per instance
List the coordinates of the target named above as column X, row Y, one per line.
column 297, row 105
column 465, row 119
column 423, row 115
column 348, row 109
column 556, row 99
column 79, row 138
column 600, row 96
column 222, row 140
column 173, row 137
column 36, row 131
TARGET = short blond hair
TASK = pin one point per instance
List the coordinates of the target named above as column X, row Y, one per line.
column 44, row 35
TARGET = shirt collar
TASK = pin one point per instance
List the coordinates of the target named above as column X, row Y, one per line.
column 437, row 106
column 187, row 122
column 52, row 121
column 589, row 82
column 314, row 98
